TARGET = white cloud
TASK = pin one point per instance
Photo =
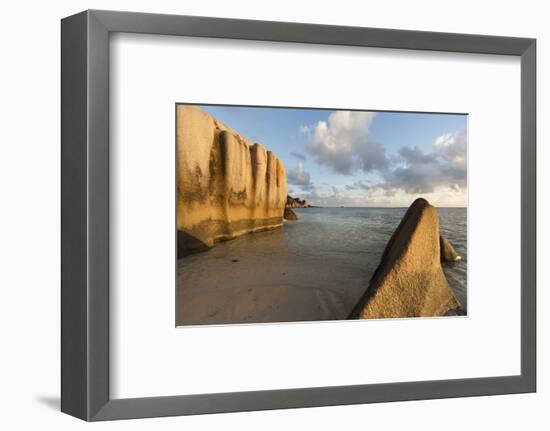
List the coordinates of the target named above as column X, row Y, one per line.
column 298, row 176
column 343, row 143
column 423, row 172
column 452, row 147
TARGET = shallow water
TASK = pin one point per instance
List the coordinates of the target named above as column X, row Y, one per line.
column 313, row 269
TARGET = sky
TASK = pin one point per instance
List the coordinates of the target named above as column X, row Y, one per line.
column 361, row 158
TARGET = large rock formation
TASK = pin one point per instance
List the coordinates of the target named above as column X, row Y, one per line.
column 227, row 185
column 409, row 282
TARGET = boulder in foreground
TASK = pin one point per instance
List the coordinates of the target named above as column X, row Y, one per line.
column 409, row 282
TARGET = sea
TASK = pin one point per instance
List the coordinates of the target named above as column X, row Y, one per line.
column 313, row 269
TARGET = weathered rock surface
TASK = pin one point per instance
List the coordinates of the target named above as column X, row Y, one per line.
column 448, row 253
column 227, row 185
column 409, row 282
column 290, row 215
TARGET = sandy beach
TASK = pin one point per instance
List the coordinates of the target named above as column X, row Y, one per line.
column 237, row 286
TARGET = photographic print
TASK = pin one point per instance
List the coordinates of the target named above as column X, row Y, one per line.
column 308, row 214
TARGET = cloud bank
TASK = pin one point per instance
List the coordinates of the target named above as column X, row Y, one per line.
column 344, row 144
column 415, row 171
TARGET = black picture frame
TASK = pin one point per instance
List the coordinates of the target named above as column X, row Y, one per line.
column 85, row 214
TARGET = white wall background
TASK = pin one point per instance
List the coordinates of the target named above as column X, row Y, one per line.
column 29, row 216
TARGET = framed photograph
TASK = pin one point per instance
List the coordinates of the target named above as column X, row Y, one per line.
column 331, row 209
column 265, row 215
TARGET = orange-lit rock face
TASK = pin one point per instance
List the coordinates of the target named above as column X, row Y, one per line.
column 410, row 282
column 227, row 185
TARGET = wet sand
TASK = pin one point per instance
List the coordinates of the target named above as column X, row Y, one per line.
column 236, row 286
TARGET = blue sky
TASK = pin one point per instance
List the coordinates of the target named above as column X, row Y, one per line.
column 361, row 158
